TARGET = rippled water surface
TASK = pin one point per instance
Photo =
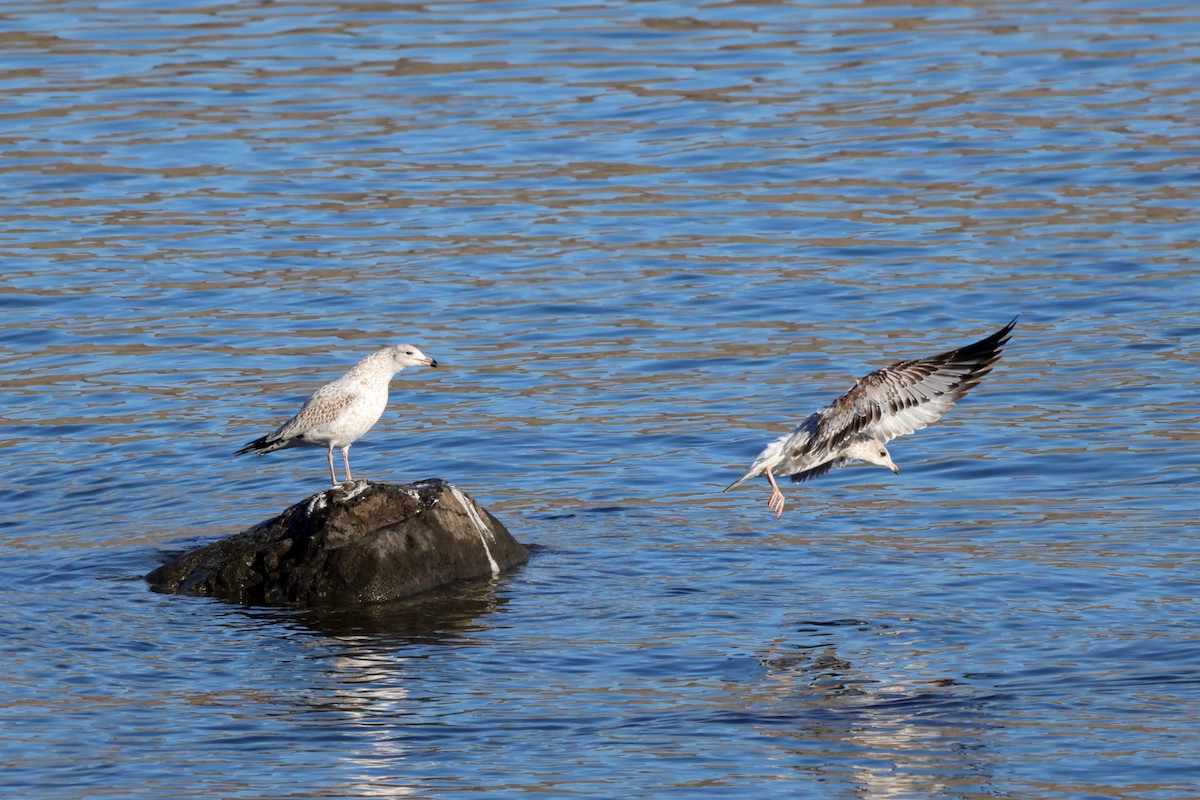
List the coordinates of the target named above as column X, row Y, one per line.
column 641, row 239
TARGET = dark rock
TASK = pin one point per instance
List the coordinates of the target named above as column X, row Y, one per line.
column 353, row 544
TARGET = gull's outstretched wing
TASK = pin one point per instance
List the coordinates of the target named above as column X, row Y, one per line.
column 906, row 396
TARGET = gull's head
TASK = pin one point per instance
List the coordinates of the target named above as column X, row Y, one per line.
column 405, row 355
column 869, row 451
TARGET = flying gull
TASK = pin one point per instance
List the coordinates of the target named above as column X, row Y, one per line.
column 343, row 410
column 894, row 401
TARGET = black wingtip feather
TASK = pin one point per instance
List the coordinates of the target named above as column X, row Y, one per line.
column 987, row 346
column 986, row 352
column 250, row 447
column 815, row 472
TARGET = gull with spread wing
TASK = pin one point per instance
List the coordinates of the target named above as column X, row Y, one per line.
column 894, row 401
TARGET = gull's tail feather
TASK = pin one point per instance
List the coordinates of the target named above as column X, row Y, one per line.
column 767, row 459
column 752, row 473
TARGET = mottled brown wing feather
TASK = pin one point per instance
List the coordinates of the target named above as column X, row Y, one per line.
column 325, row 405
column 908, row 395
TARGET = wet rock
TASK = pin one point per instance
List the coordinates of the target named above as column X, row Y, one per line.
column 350, row 545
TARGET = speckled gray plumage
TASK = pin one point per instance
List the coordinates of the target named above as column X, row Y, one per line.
column 894, row 401
column 341, row 411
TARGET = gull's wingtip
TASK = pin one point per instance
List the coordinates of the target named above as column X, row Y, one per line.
column 250, row 447
column 990, row 344
column 1001, row 337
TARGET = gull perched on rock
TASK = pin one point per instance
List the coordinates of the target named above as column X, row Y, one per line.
column 894, row 401
column 343, row 410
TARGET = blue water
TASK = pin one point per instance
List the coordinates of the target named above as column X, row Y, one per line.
column 641, row 239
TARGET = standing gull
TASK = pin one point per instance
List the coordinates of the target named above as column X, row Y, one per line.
column 343, row 410
column 894, row 401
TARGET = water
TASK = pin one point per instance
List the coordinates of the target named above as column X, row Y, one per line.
column 642, row 239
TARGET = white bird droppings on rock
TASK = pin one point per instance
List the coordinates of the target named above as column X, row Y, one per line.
column 484, row 532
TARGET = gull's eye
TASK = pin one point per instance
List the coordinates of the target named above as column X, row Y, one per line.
column 408, row 352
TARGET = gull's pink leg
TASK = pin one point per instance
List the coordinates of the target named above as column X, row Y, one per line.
column 332, row 474
column 346, row 458
column 776, row 501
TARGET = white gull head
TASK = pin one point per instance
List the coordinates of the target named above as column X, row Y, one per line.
column 406, row 355
column 869, row 451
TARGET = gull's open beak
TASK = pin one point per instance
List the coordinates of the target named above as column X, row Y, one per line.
column 430, row 362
